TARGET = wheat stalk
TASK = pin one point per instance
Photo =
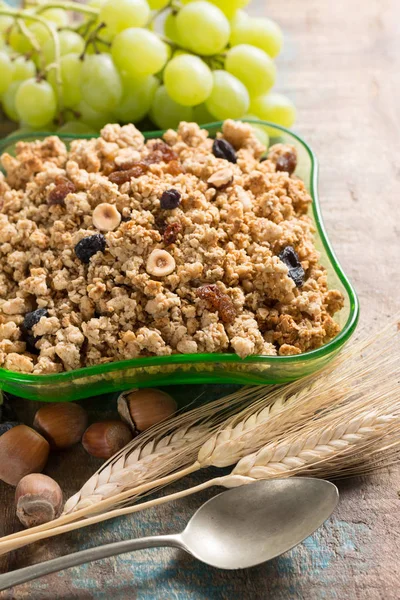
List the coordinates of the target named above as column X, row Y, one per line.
column 311, row 450
column 282, row 411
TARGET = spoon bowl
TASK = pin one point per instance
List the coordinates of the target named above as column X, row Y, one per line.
column 246, row 526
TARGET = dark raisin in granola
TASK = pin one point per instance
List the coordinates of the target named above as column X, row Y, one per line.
column 223, row 149
column 287, row 162
column 32, row 318
column 58, row 194
column 290, row 257
column 218, row 301
column 170, row 199
column 89, row 246
column 171, row 233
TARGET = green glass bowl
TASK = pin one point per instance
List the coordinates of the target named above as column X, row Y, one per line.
column 200, row 368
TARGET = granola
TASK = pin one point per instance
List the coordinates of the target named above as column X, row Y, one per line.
column 225, row 263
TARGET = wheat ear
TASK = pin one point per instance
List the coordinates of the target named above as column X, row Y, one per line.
column 312, row 451
column 262, row 421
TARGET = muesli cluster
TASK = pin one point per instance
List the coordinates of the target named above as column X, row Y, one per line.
column 119, row 248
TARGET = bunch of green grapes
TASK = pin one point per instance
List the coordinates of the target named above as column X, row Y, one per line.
column 149, row 62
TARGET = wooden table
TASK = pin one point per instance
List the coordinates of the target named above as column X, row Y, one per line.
column 340, row 65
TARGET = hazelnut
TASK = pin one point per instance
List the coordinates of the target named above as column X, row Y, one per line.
column 62, row 424
column 104, row 439
column 160, row 263
column 106, row 217
column 221, row 178
column 39, row 499
column 22, row 451
column 144, row 408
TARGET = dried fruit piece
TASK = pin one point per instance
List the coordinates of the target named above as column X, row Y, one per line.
column 223, row 149
column 120, row 177
column 290, row 257
column 58, row 194
column 106, row 217
column 161, row 152
column 160, row 263
column 174, row 168
column 287, row 162
column 170, row 199
column 32, row 318
column 89, row 246
column 218, row 301
column 221, row 178
column 171, row 233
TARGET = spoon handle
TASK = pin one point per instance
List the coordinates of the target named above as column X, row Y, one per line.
column 84, row 556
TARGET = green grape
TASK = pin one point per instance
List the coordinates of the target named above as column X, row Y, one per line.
column 35, row 102
column 2, row 42
column 201, row 114
column 121, row 14
column 91, row 117
column 166, row 113
column 229, row 98
column 203, row 28
column 8, row 101
column 101, row 85
column 228, row 7
column 157, row 4
column 71, row 69
column 70, row 41
column 275, row 108
column 23, row 68
column 188, row 80
column 253, row 67
column 170, row 28
column 263, row 33
column 239, row 17
column 76, row 128
column 41, row 33
column 149, row 51
column 57, row 16
column 137, row 98
column 18, row 41
column 6, row 71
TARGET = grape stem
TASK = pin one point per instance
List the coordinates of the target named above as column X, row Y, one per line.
column 92, row 39
column 32, row 39
column 172, row 4
column 23, row 15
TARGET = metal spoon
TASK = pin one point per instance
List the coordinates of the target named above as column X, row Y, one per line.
column 240, row 528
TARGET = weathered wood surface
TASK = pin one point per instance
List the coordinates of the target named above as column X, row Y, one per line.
column 341, row 65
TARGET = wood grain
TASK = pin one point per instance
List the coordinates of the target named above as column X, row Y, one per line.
column 340, row 65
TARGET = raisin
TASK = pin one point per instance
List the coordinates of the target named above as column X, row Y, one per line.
column 58, row 194
column 4, row 427
column 223, row 149
column 89, row 246
column 31, row 341
column 161, row 152
column 171, row 233
column 32, row 318
column 174, row 168
column 218, row 301
column 290, row 257
column 120, row 177
column 170, row 199
column 286, row 162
